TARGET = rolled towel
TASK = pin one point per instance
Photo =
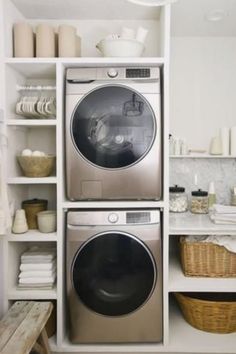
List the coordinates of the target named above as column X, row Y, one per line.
column 37, row 273
column 37, row 266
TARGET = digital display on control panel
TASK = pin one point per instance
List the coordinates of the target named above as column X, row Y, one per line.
column 138, row 217
column 137, row 73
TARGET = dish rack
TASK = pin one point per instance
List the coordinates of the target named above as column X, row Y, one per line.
column 204, row 259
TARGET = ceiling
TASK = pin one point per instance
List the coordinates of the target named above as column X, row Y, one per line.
column 189, row 18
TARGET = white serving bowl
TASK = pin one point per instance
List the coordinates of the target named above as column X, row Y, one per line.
column 120, row 47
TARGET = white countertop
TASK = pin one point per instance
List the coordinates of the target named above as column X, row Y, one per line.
column 192, row 224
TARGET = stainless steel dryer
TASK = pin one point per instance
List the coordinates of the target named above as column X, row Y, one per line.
column 113, row 134
column 114, row 276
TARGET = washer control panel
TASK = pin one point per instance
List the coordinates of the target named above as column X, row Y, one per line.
column 112, row 217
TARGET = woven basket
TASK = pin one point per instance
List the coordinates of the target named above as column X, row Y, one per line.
column 37, row 166
column 204, row 259
column 214, row 313
column 32, row 207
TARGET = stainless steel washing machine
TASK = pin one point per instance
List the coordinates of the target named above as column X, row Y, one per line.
column 114, row 276
column 113, row 134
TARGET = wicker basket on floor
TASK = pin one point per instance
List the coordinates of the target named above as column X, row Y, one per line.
column 212, row 312
column 204, row 259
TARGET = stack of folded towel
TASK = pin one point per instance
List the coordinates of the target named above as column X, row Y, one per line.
column 223, row 214
column 37, row 269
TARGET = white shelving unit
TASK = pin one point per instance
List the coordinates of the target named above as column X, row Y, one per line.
column 94, row 20
column 33, row 180
column 93, row 23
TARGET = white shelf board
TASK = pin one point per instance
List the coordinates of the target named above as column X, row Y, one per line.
column 91, row 61
column 185, row 338
column 194, row 224
column 32, row 122
column 178, row 282
column 32, row 180
column 86, row 10
column 112, row 204
column 36, row 294
column 67, row 346
column 32, row 235
column 202, row 156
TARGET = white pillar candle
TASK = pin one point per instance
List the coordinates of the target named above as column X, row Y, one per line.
column 23, row 38
column 45, row 41
column 233, row 141
column 224, row 135
column 67, row 41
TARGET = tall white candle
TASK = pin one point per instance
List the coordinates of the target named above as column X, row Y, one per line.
column 233, row 141
column 224, row 135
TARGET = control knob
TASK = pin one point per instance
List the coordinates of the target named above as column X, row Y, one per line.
column 113, row 218
column 112, row 73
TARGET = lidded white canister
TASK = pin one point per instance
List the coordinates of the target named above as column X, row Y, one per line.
column 178, row 199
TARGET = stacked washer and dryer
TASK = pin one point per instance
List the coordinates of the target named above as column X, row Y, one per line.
column 114, row 152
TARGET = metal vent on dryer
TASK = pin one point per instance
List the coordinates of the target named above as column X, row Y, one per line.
column 138, row 218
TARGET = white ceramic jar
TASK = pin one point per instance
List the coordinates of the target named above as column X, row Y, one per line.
column 47, row 221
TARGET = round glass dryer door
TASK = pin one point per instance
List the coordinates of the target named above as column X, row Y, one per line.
column 113, row 274
column 113, row 127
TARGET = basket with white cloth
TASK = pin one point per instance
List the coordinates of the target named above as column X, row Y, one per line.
column 208, row 256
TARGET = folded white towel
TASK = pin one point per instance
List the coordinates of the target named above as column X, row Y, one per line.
column 35, row 286
column 46, row 280
column 37, row 273
column 224, row 209
column 229, row 242
column 38, row 254
column 37, row 260
column 224, row 218
column 38, row 266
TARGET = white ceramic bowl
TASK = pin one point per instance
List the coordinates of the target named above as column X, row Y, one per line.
column 120, row 47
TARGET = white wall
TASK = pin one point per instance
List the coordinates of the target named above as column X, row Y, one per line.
column 203, row 87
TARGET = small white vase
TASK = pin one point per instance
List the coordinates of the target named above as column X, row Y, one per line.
column 20, row 224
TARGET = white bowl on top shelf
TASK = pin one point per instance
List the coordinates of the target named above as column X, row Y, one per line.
column 120, row 47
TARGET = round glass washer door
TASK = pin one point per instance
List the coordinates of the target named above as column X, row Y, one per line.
column 113, row 274
column 113, row 127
